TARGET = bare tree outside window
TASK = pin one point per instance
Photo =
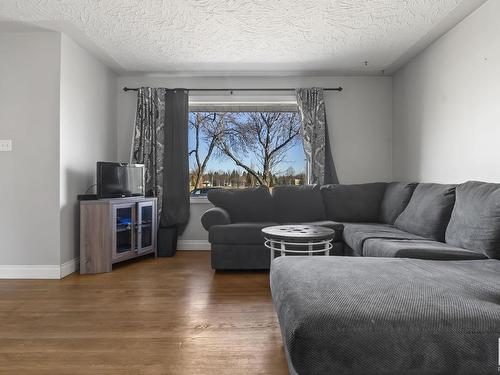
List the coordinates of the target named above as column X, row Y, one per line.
column 247, row 148
column 209, row 129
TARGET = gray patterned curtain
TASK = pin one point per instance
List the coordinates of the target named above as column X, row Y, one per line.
column 321, row 169
column 148, row 141
column 161, row 143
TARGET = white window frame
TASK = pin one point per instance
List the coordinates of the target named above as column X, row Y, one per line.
column 239, row 102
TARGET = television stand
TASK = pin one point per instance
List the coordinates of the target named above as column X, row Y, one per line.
column 114, row 230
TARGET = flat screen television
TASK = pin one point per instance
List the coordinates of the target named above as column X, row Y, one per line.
column 119, row 180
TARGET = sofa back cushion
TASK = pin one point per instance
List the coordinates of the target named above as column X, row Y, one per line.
column 353, row 203
column 428, row 212
column 396, row 198
column 244, row 205
column 475, row 220
column 296, row 204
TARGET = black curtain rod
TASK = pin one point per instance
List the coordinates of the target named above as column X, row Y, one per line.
column 231, row 90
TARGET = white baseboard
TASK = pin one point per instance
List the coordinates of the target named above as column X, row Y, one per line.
column 69, row 267
column 30, row 272
column 39, row 271
column 193, row 245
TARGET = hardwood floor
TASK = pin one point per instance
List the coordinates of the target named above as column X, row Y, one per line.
column 153, row 316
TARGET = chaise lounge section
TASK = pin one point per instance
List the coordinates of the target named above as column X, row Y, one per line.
column 365, row 315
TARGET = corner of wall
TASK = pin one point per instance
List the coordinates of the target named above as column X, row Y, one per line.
column 88, row 134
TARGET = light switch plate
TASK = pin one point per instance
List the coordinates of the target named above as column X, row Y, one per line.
column 5, row 145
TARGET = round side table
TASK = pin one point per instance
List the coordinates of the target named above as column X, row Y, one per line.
column 301, row 239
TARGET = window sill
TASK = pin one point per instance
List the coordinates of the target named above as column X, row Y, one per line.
column 199, row 200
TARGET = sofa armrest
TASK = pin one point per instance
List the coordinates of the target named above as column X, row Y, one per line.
column 215, row 216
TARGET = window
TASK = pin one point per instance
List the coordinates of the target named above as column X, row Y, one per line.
column 239, row 149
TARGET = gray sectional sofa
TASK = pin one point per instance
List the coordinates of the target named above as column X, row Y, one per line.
column 420, row 293
column 409, row 220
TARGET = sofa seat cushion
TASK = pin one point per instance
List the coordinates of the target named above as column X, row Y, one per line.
column 355, row 234
column 353, row 203
column 396, row 198
column 337, row 227
column 428, row 211
column 475, row 220
column 419, row 249
column 244, row 205
column 238, row 233
column 293, row 204
column 344, row 315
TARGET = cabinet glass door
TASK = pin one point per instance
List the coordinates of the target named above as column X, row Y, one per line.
column 124, row 230
column 146, row 224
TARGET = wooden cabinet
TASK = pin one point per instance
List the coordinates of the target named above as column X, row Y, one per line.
column 113, row 230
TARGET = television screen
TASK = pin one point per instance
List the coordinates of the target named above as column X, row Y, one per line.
column 115, row 180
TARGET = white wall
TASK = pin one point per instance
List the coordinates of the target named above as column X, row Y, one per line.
column 58, row 105
column 359, row 120
column 87, row 133
column 29, row 180
column 447, row 105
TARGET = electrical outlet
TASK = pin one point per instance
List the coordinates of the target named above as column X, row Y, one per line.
column 5, row 144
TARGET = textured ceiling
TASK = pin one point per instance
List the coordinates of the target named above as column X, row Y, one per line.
column 242, row 35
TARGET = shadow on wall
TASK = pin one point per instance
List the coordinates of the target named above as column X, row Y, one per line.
column 73, row 183
column 411, row 146
column 194, row 230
